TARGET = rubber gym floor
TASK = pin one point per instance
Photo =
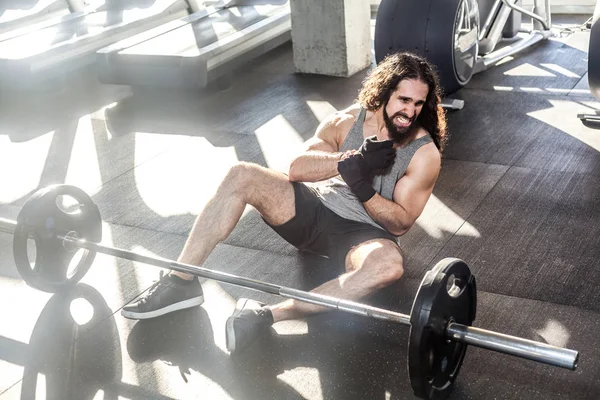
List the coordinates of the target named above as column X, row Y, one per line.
column 518, row 199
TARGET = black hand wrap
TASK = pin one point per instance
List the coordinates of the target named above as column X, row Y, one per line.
column 357, row 169
column 378, row 155
column 356, row 173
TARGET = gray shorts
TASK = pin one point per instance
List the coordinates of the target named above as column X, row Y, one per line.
column 317, row 229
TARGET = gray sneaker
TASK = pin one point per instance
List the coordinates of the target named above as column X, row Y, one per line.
column 169, row 294
column 249, row 321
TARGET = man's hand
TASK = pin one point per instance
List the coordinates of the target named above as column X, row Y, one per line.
column 357, row 175
column 358, row 167
column 378, row 155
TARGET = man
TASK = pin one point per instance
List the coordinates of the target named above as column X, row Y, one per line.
column 364, row 200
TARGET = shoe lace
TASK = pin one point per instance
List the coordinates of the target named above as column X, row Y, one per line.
column 265, row 313
column 154, row 288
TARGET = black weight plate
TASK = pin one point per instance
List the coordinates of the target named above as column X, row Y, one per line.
column 443, row 31
column 74, row 365
column 43, row 220
column 447, row 294
column 401, row 25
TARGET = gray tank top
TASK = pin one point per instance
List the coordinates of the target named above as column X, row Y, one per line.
column 337, row 196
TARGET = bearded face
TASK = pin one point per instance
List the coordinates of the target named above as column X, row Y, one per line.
column 398, row 125
column 402, row 109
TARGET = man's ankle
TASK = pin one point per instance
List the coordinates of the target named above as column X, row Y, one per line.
column 276, row 314
column 269, row 315
column 181, row 275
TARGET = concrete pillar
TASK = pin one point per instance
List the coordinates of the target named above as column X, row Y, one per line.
column 331, row 37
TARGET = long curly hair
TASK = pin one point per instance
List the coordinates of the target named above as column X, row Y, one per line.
column 382, row 81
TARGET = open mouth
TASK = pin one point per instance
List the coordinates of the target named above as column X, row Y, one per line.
column 402, row 120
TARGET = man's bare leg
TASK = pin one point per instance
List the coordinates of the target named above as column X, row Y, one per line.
column 268, row 191
column 370, row 266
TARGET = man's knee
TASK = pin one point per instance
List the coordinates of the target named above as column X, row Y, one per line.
column 241, row 172
column 242, row 177
column 390, row 265
column 381, row 259
column 260, row 187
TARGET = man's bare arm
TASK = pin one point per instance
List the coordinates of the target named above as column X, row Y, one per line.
column 314, row 165
column 411, row 193
column 319, row 160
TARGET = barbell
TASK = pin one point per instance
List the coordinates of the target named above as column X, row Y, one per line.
column 440, row 320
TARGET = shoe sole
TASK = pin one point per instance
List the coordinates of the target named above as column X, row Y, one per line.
column 189, row 303
column 229, row 332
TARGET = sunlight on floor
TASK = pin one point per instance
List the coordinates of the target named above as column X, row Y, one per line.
column 100, row 395
column 291, row 327
column 279, row 142
column 321, row 109
column 25, row 162
column 84, row 170
column 176, row 182
column 437, row 219
column 40, row 387
column 560, row 70
column 100, row 114
column 219, row 305
column 171, row 374
column 566, row 120
column 555, row 333
column 20, row 321
column 527, row 69
column 148, row 145
column 296, row 376
column 531, row 89
column 10, row 373
column 105, row 277
column 547, row 91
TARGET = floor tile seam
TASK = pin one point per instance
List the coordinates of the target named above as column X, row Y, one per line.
column 11, row 386
column 114, row 223
column 185, row 235
column 569, row 95
column 438, row 254
column 533, row 299
column 510, row 166
column 128, row 170
column 198, row 133
column 102, row 184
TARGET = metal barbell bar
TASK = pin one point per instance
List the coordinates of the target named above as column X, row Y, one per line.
column 486, row 339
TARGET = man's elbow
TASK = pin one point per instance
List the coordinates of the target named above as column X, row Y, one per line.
column 398, row 232
column 294, row 172
column 401, row 230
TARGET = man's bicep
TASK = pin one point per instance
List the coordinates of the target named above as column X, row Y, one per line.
column 413, row 190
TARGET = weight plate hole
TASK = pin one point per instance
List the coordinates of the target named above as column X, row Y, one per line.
column 81, row 311
column 431, row 364
column 74, row 263
column 68, row 204
column 455, row 286
column 31, row 252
